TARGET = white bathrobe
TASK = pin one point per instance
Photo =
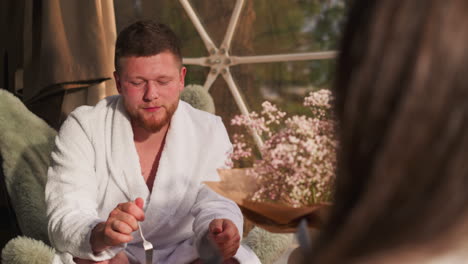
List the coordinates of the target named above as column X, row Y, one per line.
column 95, row 166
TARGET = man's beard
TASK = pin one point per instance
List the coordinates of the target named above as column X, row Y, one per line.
column 148, row 121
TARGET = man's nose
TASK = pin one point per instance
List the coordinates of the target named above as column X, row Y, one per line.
column 151, row 91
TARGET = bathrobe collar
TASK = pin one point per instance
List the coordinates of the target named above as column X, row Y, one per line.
column 173, row 175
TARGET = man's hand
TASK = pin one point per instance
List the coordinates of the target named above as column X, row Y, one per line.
column 120, row 224
column 225, row 235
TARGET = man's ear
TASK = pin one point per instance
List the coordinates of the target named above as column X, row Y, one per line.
column 117, row 82
column 183, row 72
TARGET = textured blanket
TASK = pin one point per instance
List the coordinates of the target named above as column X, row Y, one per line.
column 25, row 145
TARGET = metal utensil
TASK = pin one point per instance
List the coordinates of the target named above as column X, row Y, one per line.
column 208, row 252
column 303, row 235
column 147, row 246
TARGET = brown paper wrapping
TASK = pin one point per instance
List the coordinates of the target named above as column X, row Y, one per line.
column 238, row 186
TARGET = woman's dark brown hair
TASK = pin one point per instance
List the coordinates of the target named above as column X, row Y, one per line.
column 402, row 104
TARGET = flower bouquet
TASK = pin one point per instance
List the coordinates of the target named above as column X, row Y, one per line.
column 294, row 177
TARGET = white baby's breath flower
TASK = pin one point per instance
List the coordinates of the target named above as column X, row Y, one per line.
column 298, row 157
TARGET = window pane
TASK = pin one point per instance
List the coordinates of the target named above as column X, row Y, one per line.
column 265, row 27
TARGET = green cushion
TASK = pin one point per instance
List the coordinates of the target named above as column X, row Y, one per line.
column 24, row 250
column 198, row 97
column 26, row 142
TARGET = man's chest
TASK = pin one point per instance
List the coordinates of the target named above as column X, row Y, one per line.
column 149, row 163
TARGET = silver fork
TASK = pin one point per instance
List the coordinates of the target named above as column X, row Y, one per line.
column 147, row 246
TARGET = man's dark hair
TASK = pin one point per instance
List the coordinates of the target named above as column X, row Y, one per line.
column 146, row 38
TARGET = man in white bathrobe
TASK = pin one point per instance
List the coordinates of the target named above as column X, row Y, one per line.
column 139, row 159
